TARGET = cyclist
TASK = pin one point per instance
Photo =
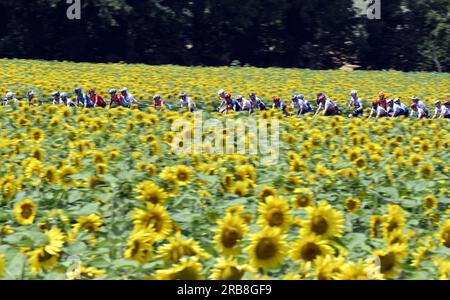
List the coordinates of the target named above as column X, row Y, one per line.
column 187, row 102
column 82, row 99
column 355, row 104
column 114, row 98
column 399, row 109
column 96, row 99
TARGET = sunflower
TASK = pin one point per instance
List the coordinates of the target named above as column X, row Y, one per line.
column 229, row 269
column 375, row 223
column 390, row 260
column 425, row 170
column 240, row 188
column 359, row 271
column 396, row 237
column 352, row 204
column 37, row 153
column 177, row 247
column 303, row 197
column 150, row 192
column 395, row 220
column 90, row 223
column 86, row 273
column 360, row 163
column 326, row 267
column 297, row 165
column 235, row 209
column 429, row 202
column 444, row 268
column 155, row 217
column 25, row 212
column 227, row 182
column 98, row 157
column 323, row 221
column 415, row 159
column 2, row 265
column 46, row 257
column 267, row 249
column 444, row 234
column 33, row 167
column 180, row 175
column 64, row 176
column 140, row 246
column 40, row 260
column 8, row 190
column 245, row 172
column 50, row 174
column 266, row 192
column 151, row 169
column 274, row 213
column 308, row 248
column 229, row 234
column 101, row 169
column 37, row 135
column 418, row 256
column 187, row 269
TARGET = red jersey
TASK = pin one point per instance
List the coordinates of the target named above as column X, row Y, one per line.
column 116, row 99
column 98, row 100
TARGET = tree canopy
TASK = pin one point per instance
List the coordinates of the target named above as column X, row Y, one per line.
column 317, row 34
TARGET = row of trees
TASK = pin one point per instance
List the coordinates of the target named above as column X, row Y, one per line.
column 317, row 34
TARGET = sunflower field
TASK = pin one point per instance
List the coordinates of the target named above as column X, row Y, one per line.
column 348, row 198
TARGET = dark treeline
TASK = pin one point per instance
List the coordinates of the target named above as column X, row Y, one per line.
column 316, row 34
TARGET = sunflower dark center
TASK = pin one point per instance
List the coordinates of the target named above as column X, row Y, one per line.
column 230, row 236
column 266, row 249
column 387, row 262
column 275, row 217
column 310, row 251
column 319, row 225
column 27, row 211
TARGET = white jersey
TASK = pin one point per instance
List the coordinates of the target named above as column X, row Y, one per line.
column 58, row 102
column 442, row 111
column 398, row 108
column 356, row 103
column 379, row 110
column 129, row 98
column 295, row 104
column 186, row 102
column 245, row 104
column 329, row 105
column 421, row 105
column 9, row 101
column 418, row 111
column 304, row 104
column 68, row 102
